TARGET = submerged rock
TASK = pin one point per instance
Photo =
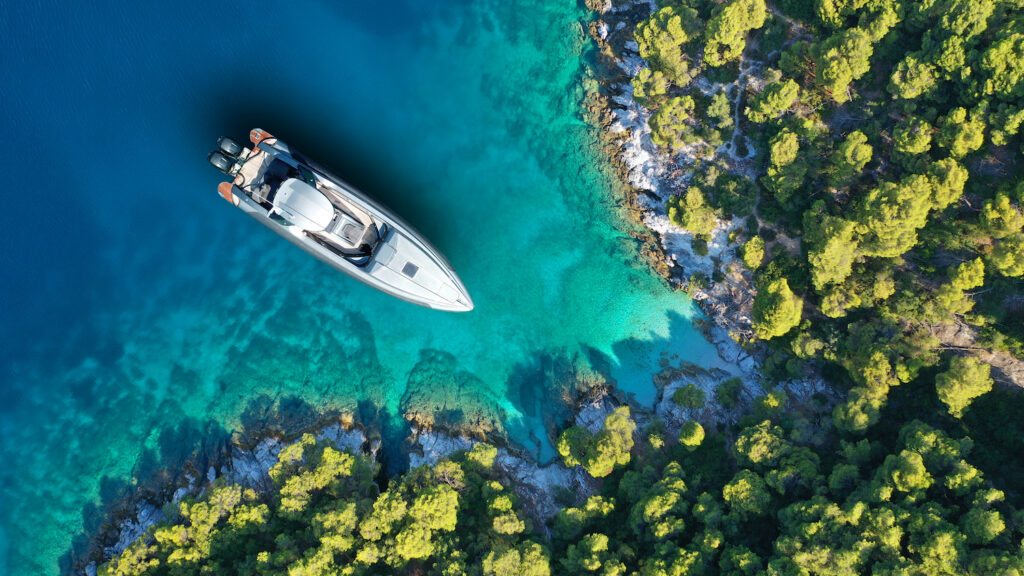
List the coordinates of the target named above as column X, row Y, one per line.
column 438, row 395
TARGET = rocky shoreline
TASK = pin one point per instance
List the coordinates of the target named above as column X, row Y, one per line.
column 245, row 461
column 717, row 280
column 544, row 489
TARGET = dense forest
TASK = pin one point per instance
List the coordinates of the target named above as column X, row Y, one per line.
column 780, row 498
column 883, row 204
column 875, row 164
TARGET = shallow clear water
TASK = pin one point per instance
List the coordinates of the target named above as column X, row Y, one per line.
column 145, row 318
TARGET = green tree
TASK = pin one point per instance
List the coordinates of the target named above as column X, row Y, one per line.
column 435, row 508
column 572, row 444
column 740, row 561
column 948, row 178
column 691, row 435
column 1001, row 217
column 527, row 559
column 482, row 455
column 966, row 379
column 725, row 35
column 860, row 411
column 786, row 171
column 912, row 137
column 572, row 521
column 735, row 194
column 850, row 158
column 505, row 519
column 592, row 555
column 689, row 396
column 691, row 212
column 831, row 12
column 951, row 300
column 784, row 148
column 599, row 453
column 891, row 214
column 650, row 86
column 912, row 78
column 906, row 472
column 841, row 59
column 327, row 466
column 776, row 310
column 660, row 40
column 1003, row 64
column 747, row 494
column 720, row 110
column 770, row 405
column 797, row 471
column 1005, row 123
column 670, row 125
column 982, row 526
column 727, row 394
column 138, row 558
column 753, row 253
column 611, row 446
column 832, row 246
column 775, row 99
column 970, row 274
column 760, row 445
column 961, row 135
column 838, row 300
column 1008, row 255
column 388, row 511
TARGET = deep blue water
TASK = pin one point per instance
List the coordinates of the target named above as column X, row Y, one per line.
column 143, row 316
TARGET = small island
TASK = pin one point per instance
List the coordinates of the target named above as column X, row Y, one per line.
column 839, row 184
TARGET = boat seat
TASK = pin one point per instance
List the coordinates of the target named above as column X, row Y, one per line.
column 261, row 193
column 348, row 229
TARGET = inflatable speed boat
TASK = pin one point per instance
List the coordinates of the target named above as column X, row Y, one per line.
column 318, row 212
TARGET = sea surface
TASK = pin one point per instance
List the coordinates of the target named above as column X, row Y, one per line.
column 145, row 319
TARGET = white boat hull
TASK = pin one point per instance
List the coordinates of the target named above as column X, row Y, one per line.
column 402, row 263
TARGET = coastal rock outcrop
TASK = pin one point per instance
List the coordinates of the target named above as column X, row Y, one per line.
column 246, row 465
column 541, row 488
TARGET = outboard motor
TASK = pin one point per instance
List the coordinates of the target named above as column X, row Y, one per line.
column 229, row 147
column 221, row 162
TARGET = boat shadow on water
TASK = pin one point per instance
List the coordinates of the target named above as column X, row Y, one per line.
column 340, row 146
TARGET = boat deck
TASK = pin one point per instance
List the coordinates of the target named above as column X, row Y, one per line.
column 250, row 171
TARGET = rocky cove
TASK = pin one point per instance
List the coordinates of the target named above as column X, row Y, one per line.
column 748, row 447
column 441, row 420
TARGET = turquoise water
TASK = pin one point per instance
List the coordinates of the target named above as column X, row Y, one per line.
column 145, row 319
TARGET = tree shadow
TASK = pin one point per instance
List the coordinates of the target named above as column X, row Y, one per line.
column 285, row 417
column 550, row 385
column 389, row 431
